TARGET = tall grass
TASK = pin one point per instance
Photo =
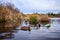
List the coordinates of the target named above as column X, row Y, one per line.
column 9, row 12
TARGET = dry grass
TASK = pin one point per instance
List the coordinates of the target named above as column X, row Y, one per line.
column 7, row 13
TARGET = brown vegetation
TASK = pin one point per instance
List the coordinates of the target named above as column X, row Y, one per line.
column 39, row 17
column 44, row 18
column 8, row 26
column 7, row 13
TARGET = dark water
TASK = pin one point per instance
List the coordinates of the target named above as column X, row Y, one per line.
column 11, row 31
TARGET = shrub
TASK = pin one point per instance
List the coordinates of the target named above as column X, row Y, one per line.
column 33, row 20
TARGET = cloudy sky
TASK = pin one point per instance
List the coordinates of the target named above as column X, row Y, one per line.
column 40, row 6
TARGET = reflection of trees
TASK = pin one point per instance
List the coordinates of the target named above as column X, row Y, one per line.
column 7, row 36
column 7, row 29
column 45, row 22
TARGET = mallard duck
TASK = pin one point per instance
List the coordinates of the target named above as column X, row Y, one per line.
column 47, row 25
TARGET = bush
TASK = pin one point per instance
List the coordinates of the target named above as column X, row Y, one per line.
column 33, row 20
column 9, row 13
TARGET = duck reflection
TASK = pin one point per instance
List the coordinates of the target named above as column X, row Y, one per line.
column 7, row 29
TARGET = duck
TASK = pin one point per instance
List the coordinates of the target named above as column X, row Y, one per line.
column 47, row 25
column 25, row 28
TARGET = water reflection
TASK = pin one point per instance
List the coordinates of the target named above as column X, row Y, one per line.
column 44, row 23
column 15, row 31
column 6, row 36
column 7, row 29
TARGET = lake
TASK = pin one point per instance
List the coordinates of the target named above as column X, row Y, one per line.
column 12, row 31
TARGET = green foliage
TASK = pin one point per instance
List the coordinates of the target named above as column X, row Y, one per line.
column 33, row 20
column 53, row 14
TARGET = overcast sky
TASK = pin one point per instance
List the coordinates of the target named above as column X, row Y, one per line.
column 41, row 6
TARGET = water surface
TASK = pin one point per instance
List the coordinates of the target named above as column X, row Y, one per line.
column 11, row 31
